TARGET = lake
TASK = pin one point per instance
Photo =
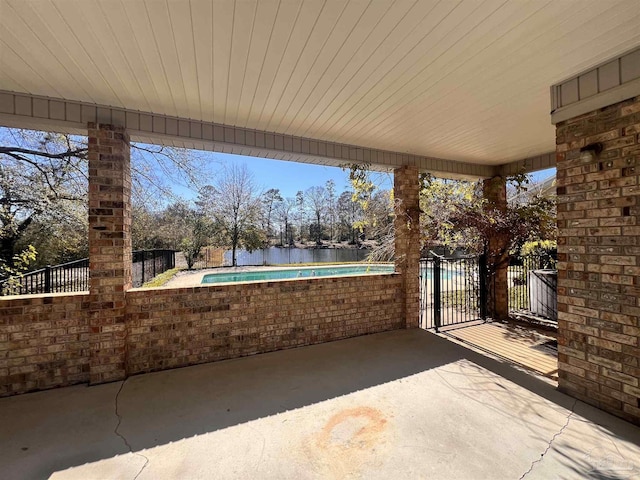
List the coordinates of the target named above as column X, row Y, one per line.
column 276, row 255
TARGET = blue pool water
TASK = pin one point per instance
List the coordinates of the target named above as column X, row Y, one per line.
column 306, row 272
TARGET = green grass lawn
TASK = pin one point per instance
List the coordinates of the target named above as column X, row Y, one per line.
column 160, row 280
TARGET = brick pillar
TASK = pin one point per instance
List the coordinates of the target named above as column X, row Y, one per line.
column 407, row 239
column 109, row 249
column 495, row 192
column 599, row 258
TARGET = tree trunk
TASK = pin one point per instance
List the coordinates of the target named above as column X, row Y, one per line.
column 234, row 246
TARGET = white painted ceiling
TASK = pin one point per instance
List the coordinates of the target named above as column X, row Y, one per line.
column 462, row 80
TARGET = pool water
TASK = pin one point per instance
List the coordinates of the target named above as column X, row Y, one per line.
column 306, row 272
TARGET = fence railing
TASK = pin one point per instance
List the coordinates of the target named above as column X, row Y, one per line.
column 452, row 290
column 455, row 290
column 67, row 277
column 74, row 276
column 533, row 285
column 149, row 263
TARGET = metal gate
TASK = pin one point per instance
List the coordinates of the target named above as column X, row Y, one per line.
column 452, row 291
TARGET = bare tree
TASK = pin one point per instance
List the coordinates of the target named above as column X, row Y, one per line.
column 41, row 173
column 316, row 202
column 270, row 199
column 300, row 201
column 330, row 187
column 284, row 214
column 45, row 174
column 349, row 213
column 235, row 206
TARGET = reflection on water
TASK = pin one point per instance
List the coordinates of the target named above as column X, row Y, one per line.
column 275, row 256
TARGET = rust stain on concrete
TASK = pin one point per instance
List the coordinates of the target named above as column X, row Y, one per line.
column 353, row 428
column 350, row 440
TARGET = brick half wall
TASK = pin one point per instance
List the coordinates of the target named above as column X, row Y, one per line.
column 44, row 342
column 187, row 326
column 45, row 339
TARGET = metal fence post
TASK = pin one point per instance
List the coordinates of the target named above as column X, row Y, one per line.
column 437, row 300
column 142, row 267
column 482, row 267
column 47, row 279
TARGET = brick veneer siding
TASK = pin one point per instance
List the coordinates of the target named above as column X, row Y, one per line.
column 109, row 248
column 599, row 259
column 45, row 339
column 173, row 328
column 495, row 193
column 406, row 189
column 44, row 342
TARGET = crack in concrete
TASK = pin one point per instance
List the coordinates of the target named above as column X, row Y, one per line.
column 124, row 440
column 556, row 435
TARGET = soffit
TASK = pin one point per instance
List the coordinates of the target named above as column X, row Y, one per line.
column 466, row 81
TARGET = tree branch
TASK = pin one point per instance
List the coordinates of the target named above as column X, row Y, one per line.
column 13, row 151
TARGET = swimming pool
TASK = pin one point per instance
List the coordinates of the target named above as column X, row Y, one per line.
column 304, row 272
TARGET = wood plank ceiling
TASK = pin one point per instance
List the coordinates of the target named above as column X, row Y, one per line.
column 463, row 80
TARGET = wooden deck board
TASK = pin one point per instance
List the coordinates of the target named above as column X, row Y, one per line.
column 518, row 344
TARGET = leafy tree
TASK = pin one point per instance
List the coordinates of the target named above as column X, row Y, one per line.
column 462, row 214
column 145, row 229
column 60, row 235
column 9, row 273
column 198, row 230
column 457, row 214
column 378, row 210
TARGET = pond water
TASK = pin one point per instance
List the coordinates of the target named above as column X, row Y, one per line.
column 307, row 272
column 276, row 256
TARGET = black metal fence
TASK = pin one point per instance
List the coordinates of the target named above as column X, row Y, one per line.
column 67, row 277
column 149, row 263
column 452, row 290
column 74, row 276
column 456, row 290
column 533, row 285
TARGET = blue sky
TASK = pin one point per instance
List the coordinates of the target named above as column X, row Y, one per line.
column 290, row 177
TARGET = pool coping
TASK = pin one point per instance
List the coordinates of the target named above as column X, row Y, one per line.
column 193, row 278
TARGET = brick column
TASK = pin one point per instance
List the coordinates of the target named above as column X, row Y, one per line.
column 109, row 249
column 495, row 192
column 407, row 239
column 599, row 258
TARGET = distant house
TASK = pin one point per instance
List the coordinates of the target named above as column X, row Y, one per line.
column 545, row 187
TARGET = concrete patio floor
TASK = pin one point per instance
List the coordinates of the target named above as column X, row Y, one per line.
column 404, row 404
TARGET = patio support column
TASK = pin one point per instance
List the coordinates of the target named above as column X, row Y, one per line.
column 406, row 189
column 109, row 250
column 598, row 186
column 495, row 192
